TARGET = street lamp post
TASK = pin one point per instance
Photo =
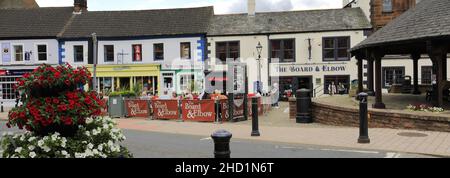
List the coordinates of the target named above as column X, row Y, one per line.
column 259, row 48
column 94, row 40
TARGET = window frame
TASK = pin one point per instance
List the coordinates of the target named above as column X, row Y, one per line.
column 37, row 52
column 336, row 49
column 181, row 50
column 154, row 52
column 75, row 53
column 228, row 51
column 282, row 50
column 391, row 5
column 383, row 70
column 422, row 80
column 105, row 53
column 133, row 53
column 189, row 78
column 14, row 53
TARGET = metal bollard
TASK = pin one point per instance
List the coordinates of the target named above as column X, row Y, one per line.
column 255, row 127
column 221, row 143
column 217, row 108
column 1, row 109
column 363, row 122
column 304, row 106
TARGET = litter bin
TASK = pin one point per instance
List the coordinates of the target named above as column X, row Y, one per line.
column 116, row 107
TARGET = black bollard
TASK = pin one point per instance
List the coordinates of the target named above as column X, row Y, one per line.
column 255, row 127
column 221, row 143
column 1, row 109
column 304, row 106
column 363, row 122
column 217, row 108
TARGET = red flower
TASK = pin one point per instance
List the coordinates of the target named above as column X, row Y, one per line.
column 62, row 107
column 57, row 75
column 67, row 82
column 48, row 100
column 55, row 101
column 8, row 125
column 67, row 120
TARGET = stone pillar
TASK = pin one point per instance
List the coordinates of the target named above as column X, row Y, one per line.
column 376, row 55
column 415, row 57
column 371, row 91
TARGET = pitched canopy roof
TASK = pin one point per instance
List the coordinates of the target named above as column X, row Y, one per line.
column 429, row 20
column 139, row 23
column 33, row 23
column 4, row 4
column 290, row 21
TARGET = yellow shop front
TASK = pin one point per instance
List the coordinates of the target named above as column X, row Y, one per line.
column 111, row 78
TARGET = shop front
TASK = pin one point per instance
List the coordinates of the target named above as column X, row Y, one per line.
column 320, row 78
column 8, row 78
column 182, row 77
column 111, row 78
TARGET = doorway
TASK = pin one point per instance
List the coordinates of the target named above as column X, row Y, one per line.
column 168, row 81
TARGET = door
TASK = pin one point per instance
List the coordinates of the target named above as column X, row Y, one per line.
column 168, row 81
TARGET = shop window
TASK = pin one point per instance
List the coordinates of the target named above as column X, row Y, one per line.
column 427, row 72
column 185, row 50
column 387, row 6
column 393, row 75
column 137, row 53
column 78, row 53
column 42, row 52
column 228, row 50
column 186, row 80
column 336, row 49
column 338, row 84
column 18, row 52
column 283, row 50
column 109, row 53
column 158, row 51
column 105, row 84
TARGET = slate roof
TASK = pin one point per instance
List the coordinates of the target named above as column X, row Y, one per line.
column 33, row 23
column 289, row 21
column 180, row 21
column 429, row 19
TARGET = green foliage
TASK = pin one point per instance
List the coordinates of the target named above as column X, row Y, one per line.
column 123, row 93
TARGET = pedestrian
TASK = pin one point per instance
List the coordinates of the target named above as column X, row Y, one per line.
column 165, row 96
column 332, row 88
column 275, row 95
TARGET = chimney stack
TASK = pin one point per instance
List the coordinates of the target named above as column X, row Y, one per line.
column 79, row 6
column 251, row 7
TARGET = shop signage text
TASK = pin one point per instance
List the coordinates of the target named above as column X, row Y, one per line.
column 293, row 68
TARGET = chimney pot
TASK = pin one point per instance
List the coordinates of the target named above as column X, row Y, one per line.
column 79, row 6
column 251, row 5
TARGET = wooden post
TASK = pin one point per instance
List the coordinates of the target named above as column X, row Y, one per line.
column 371, row 91
column 376, row 55
column 415, row 57
column 438, row 53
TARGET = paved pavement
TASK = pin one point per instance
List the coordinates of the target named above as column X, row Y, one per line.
column 433, row 143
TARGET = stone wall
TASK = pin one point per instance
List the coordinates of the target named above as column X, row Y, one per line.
column 343, row 116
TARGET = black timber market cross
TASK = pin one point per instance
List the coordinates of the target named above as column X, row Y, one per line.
column 423, row 30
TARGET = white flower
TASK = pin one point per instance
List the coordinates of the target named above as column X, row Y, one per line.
column 90, row 146
column 95, row 151
column 22, row 138
column 80, row 155
column 100, row 147
column 32, row 154
column 31, row 139
column 41, row 143
column 63, row 144
column 18, row 150
column 110, row 143
column 46, row 149
column 31, row 147
column 87, row 133
column 89, row 120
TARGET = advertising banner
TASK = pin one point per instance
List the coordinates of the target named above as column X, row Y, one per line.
column 224, row 113
column 198, row 110
column 6, row 52
column 165, row 109
column 137, row 108
column 238, row 108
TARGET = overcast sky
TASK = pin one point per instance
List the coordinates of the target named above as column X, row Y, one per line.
column 220, row 6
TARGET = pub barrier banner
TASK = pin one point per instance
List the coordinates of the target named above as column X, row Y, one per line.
column 198, row 110
column 137, row 108
column 165, row 109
